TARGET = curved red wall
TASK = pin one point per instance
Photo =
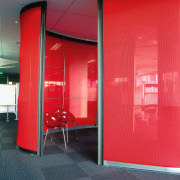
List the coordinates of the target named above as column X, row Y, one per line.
column 80, row 79
column 142, row 82
column 29, row 76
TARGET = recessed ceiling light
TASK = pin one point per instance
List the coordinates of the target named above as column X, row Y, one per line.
column 15, row 22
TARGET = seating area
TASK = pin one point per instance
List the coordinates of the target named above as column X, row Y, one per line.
column 59, row 119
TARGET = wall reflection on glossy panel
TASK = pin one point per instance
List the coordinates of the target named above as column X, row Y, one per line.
column 80, row 84
column 53, row 84
column 54, row 52
column 80, row 56
column 142, row 82
column 85, row 110
column 145, row 111
column 78, row 76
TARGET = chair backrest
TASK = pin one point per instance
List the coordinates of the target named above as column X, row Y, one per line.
column 65, row 115
column 50, row 121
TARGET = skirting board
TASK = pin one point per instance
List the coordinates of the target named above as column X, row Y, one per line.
column 169, row 170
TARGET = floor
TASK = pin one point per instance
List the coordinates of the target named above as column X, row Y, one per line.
column 77, row 162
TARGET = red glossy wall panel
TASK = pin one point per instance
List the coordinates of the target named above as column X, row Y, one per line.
column 80, row 79
column 29, row 73
column 81, row 84
column 53, row 84
column 85, row 110
column 142, row 82
column 80, row 56
column 54, row 52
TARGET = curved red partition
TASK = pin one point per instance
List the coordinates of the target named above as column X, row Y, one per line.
column 79, row 72
column 76, row 63
column 29, row 76
column 142, row 82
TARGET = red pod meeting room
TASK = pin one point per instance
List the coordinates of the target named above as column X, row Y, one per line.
column 138, row 80
column 56, row 71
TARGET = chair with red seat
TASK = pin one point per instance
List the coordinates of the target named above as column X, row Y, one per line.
column 52, row 123
column 67, row 117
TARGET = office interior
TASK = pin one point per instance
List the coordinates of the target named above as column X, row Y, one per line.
column 119, row 79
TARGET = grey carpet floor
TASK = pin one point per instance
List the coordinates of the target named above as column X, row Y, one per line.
column 79, row 161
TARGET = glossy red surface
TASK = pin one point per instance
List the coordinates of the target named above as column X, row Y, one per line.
column 80, row 80
column 53, row 84
column 80, row 56
column 29, row 73
column 65, row 116
column 84, row 110
column 81, row 84
column 54, row 52
column 50, row 105
column 142, row 82
column 52, row 122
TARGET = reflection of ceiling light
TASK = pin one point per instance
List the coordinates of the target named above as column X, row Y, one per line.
column 93, row 60
column 56, row 47
column 7, row 67
column 5, row 62
column 15, row 22
column 155, row 42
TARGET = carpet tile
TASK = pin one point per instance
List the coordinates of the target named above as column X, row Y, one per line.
column 78, row 161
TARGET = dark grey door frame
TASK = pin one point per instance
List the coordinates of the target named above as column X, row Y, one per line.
column 41, row 78
column 100, row 84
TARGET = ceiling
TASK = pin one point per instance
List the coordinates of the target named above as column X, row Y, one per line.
column 77, row 18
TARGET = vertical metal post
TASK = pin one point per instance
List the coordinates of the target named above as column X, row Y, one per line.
column 100, row 83
column 64, row 73
column 7, row 117
column 41, row 79
column 7, row 79
column 16, row 103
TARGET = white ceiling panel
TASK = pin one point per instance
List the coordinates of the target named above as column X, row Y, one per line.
column 59, row 5
column 77, row 24
column 94, row 37
column 84, row 7
column 52, row 18
column 12, row 69
column 4, row 62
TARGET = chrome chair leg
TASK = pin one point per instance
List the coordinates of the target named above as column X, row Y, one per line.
column 64, row 138
column 52, row 136
column 76, row 131
column 67, row 137
column 45, row 138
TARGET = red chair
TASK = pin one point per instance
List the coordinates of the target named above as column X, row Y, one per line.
column 52, row 123
column 67, row 118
